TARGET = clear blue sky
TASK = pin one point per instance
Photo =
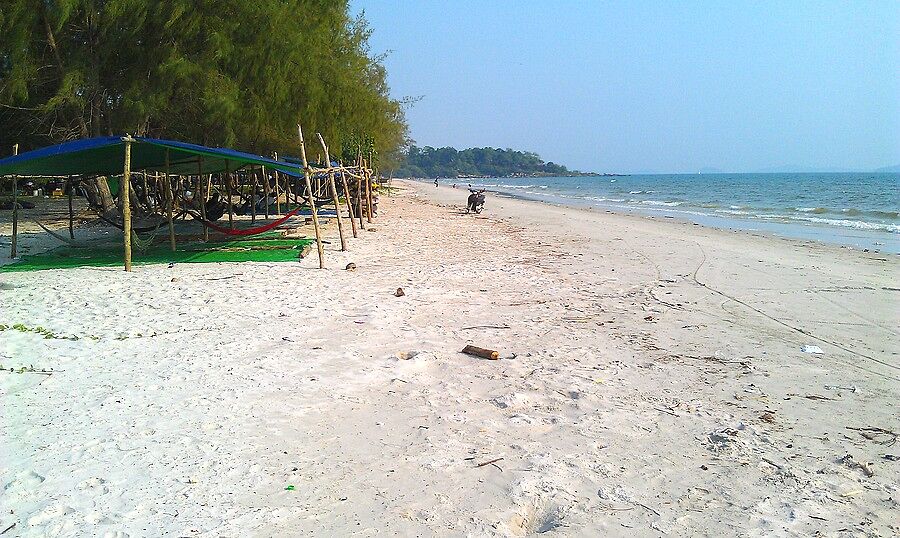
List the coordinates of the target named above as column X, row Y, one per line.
column 665, row 86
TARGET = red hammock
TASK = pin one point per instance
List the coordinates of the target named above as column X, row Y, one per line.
column 249, row 231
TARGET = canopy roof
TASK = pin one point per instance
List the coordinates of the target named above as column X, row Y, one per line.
column 105, row 156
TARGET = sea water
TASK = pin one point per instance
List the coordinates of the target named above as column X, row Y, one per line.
column 854, row 209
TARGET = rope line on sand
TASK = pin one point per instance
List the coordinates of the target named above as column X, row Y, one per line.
column 789, row 326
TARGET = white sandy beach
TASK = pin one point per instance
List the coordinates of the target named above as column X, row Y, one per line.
column 651, row 383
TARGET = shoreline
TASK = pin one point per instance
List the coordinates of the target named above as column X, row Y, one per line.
column 652, row 380
column 458, row 195
column 846, row 236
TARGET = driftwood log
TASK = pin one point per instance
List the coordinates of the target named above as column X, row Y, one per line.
column 481, row 352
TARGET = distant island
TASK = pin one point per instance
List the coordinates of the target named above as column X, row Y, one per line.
column 429, row 162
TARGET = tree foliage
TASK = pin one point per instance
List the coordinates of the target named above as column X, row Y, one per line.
column 215, row 72
column 491, row 162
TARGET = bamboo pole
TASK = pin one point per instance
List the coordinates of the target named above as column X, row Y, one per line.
column 349, row 203
column 15, row 214
column 228, row 179
column 170, row 199
column 368, row 191
column 334, row 194
column 71, row 209
column 359, row 205
column 126, row 203
column 312, row 204
column 146, row 191
column 277, row 187
column 205, row 187
column 266, row 190
column 253, row 197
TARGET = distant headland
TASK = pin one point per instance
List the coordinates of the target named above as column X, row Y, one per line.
column 429, row 162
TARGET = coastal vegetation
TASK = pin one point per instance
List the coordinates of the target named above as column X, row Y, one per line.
column 477, row 162
column 217, row 73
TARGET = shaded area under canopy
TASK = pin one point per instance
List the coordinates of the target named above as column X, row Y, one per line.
column 105, row 156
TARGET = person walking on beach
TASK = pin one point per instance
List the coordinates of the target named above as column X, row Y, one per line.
column 435, row 182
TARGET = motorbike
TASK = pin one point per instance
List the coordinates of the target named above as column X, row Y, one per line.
column 476, row 201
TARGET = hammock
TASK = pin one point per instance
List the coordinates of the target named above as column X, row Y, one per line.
column 71, row 242
column 248, row 231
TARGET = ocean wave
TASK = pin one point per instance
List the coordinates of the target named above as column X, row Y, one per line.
column 817, row 210
column 858, row 224
column 658, row 202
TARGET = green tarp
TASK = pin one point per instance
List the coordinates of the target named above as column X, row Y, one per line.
column 263, row 248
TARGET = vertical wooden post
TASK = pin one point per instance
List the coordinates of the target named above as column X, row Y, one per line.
column 312, row 204
column 201, row 184
column 228, row 194
column 15, row 214
column 71, row 187
column 368, row 191
column 334, row 194
column 253, row 197
column 146, row 191
column 347, row 199
column 359, row 193
column 170, row 200
column 277, row 187
column 266, row 190
column 126, row 203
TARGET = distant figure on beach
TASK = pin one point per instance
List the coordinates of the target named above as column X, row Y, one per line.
column 435, row 182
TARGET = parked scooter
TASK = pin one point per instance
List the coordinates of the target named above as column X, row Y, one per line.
column 476, row 201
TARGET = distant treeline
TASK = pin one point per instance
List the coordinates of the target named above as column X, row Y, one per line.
column 490, row 162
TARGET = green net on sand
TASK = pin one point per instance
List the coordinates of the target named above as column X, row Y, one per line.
column 269, row 247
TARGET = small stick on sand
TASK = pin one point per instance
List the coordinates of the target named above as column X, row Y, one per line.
column 481, row 352
column 488, row 462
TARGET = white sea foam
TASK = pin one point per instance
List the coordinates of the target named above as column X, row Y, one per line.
column 658, row 202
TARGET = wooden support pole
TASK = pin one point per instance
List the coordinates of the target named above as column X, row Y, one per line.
column 266, row 190
column 146, row 192
column 205, row 186
column 71, row 187
column 15, row 214
column 277, row 187
column 334, row 195
column 253, row 197
column 312, row 203
column 170, row 200
column 359, row 197
column 368, row 177
column 228, row 179
column 349, row 203
column 126, row 203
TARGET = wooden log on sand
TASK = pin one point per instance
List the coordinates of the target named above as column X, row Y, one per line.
column 481, row 352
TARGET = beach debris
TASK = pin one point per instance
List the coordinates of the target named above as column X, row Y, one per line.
column 289, row 487
column 495, row 460
column 9, row 528
column 399, row 292
column 816, row 350
column 877, row 435
column 486, row 327
column 481, row 352
column 851, row 388
column 768, row 416
column 350, row 267
column 891, row 457
column 406, row 355
column 865, row 467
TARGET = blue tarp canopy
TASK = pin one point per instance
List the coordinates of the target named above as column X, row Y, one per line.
column 105, row 156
